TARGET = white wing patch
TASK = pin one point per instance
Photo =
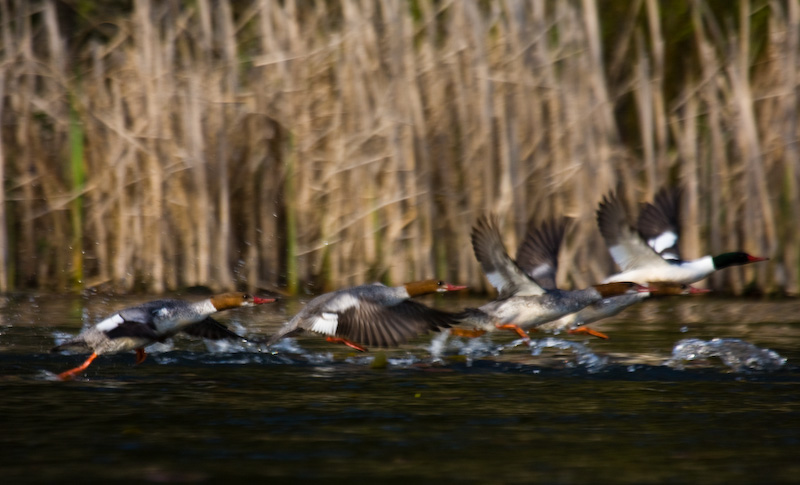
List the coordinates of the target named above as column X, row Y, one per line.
column 663, row 241
column 670, row 256
column 619, row 254
column 343, row 302
column 497, row 280
column 542, row 270
column 326, row 324
column 110, row 323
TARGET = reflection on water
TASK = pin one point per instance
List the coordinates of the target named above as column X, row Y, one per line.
column 685, row 390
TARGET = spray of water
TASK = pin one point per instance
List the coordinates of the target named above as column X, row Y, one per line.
column 738, row 355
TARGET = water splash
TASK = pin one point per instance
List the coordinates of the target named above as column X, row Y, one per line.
column 439, row 345
column 470, row 349
column 584, row 357
column 59, row 337
column 224, row 346
column 288, row 350
column 285, row 345
column 737, row 354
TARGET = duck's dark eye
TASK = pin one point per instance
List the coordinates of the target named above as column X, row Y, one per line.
column 247, row 297
column 440, row 283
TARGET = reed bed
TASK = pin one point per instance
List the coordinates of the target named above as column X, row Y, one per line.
column 319, row 144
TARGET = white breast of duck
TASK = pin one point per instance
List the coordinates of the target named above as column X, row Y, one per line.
column 669, row 272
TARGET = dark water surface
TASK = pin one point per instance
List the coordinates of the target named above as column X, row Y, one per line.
column 659, row 402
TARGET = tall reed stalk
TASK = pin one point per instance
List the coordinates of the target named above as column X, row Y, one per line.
column 77, row 177
column 322, row 144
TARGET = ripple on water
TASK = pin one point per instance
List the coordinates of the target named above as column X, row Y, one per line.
column 738, row 355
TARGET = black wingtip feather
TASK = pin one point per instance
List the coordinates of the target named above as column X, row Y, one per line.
column 539, row 250
column 611, row 216
column 486, row 236
column 662, row 215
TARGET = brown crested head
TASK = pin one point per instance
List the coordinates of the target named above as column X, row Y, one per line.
column 430, row 286
column 225, row 301
column 620, row 288
column 669, row 289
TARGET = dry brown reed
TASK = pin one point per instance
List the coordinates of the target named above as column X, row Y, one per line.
column 267, row 144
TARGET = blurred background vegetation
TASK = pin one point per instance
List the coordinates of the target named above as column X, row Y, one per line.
column 152, row 145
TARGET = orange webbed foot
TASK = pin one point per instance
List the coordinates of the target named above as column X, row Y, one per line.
column 515, row 328
column 140, row 356
column 463, row 332
column 588, row 331
column 67, row 375
column 350, row 344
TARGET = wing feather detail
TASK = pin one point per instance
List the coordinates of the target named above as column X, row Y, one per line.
column 538, row 253
column 659, row 223
column 626, row 246
column 502, row 272
column 378, row 325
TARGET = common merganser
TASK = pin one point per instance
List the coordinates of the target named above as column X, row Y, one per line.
column 651, row 254
column 374, row 314
column 537, row 255
column 136, row 327
column 522, row 303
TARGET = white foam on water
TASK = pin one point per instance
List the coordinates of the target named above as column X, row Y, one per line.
column 472, row 348
column 738, row 355
column 224, row 346
column 60, row 337
column 320, row 358
column 282, row 346
column 404, row 361
column 160, row 347
column 438, row 345
column 583, row 356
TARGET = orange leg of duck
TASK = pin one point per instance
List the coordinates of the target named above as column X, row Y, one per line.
column 140, row 356
column 589, row 331
column 66, row 375
column 515, row 328
column 350, row 344
column 463, row 332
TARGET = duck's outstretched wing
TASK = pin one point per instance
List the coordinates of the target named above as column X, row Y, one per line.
column 503, row 273
column 659, row 223
column 380, row 325
column 537, row 256
column 626, row 246
column 212, row 330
